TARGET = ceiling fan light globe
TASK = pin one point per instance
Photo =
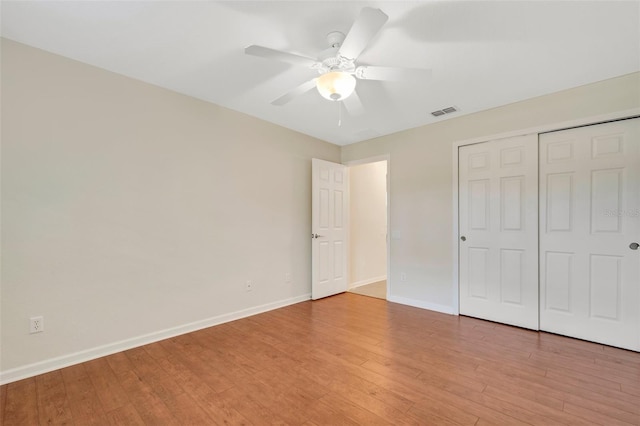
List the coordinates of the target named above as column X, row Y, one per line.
column 336, row 85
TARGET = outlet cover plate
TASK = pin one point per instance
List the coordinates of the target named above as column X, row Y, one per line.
column 36, row 324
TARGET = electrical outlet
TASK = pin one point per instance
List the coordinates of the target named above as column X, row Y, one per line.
column 248, row 286
column 287, row 277
column 36, row 325
column 403, row 276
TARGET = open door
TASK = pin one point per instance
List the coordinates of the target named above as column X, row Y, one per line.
column 329, row 228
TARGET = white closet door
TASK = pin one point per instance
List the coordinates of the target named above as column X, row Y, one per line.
column 590, row 218
column 498, row 214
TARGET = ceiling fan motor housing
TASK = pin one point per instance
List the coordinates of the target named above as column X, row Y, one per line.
column 331, row 59
column 335, row 38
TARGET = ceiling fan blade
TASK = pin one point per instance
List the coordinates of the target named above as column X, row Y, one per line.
column 353, row 104
column 392, row 73
column 279, row 55
column 300, row 90
column 366, row 26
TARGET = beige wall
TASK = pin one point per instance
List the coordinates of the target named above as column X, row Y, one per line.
column 128, row 209
column 420, row 171
column 368, row 223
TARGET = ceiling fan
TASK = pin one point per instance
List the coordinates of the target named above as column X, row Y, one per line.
column 337, row 64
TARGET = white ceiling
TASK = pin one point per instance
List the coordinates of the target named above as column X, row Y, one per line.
column 483, row 53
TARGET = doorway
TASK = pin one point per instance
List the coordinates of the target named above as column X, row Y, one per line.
column 368, row 219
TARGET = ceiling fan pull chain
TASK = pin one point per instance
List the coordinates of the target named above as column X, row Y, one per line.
column 339, row 114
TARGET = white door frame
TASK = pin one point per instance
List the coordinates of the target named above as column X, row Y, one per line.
column 620, row 115
column 375, row 159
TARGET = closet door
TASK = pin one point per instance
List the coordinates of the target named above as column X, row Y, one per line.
column 589, row 222
column 498, row 215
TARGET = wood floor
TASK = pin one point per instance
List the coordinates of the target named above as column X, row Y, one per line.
column 347, row 359
column 377, row 289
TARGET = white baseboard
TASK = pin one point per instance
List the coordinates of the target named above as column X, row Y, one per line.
column 421, row 304
column 52, row 364
column 367, row 281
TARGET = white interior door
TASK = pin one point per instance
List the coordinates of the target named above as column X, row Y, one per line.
column 498, row 222
column 590, row 218
column 329, row 228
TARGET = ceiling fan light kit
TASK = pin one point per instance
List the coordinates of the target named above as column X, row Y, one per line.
column 337, row 64
column 336, row 85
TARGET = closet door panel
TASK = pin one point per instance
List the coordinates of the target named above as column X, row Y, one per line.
column 498, row 219
column 589, row 220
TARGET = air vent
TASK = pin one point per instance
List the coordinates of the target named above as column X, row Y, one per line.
column 444, row 111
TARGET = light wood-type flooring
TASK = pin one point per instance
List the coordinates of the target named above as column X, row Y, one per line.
column 377, row 289
column 343, row 360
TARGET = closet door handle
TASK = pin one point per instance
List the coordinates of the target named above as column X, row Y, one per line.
column 634, row 246
column 463, row 238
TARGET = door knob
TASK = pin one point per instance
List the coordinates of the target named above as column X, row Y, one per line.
column 316, row 236
column 634, row 246
column 463, row 238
